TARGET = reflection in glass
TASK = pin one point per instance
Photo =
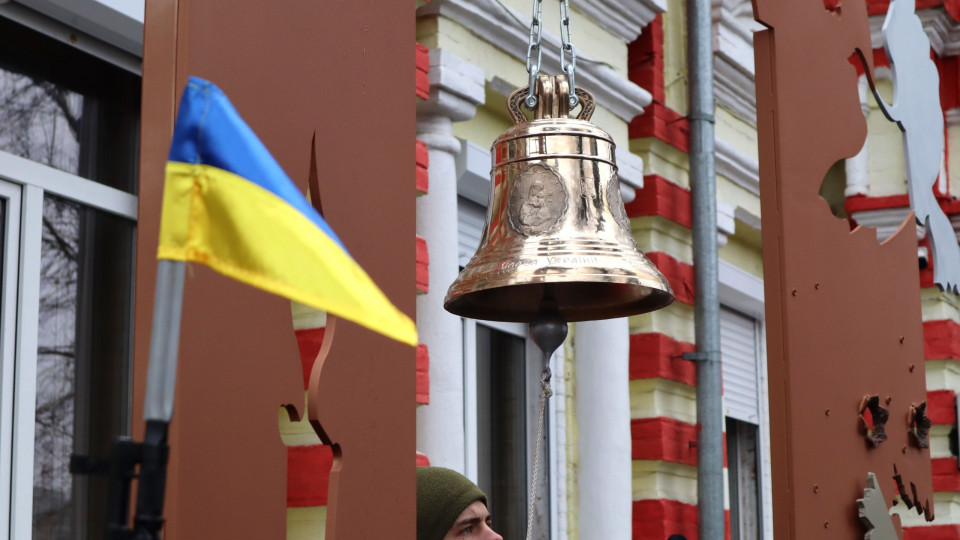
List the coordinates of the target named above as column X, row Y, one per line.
column 63, row 108
column 82, row 362
column 41, row 121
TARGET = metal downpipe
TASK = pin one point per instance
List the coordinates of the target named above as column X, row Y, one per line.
column 703, row 189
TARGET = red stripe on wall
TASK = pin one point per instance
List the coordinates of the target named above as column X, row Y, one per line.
column 934, row 532
column 952, row 8
column 423, row 70
column 308, row 475
column 645, row 59
column 946, row 477
column 423, row 374
column 941, row 407
column 661, row 197
column 309, row 341
column 879, row 7
column 662, row 122
column 657, row 356
column 859, row 203
column 423, row 168
column 664, row 439
column 423, row 266
column 678, row 274
column 645, row 68
column 657, row 519
column 949, row 77
column 941, row 340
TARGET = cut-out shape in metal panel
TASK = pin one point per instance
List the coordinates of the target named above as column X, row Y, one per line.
column 874, row 514
column 843, row 310
column 916, row 110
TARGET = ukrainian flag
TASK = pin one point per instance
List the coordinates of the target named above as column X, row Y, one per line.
column 229, row 205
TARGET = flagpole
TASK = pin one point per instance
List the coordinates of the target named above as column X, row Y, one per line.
column 158, row 406
column 164, row 341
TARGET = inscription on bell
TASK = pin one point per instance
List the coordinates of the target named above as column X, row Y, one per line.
column 538, row 201
column 510, row 266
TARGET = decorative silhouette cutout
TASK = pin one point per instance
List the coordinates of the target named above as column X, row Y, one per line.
column 916, row 110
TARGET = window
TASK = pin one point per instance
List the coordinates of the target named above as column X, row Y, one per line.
column 502, row 427
column 68, row 151
column 743, row 461
column 740, row 348
column 502, row 391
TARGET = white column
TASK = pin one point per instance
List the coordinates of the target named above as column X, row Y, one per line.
column 602, row 374
column 456, row 88
column 857, row 168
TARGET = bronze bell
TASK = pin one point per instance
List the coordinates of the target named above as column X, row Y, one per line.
column 557, row 237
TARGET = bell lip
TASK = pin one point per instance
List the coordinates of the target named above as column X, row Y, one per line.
column 655, row 299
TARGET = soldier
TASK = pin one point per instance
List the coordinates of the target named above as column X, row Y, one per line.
column 450, row 507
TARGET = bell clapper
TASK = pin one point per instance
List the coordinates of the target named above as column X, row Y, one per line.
column 548, row 330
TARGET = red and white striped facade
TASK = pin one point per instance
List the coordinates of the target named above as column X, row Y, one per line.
column 625, row 396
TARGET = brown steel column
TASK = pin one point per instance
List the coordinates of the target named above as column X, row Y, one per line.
column 843, row 311
column 345, row 71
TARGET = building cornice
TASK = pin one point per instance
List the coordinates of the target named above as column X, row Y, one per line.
column 734, row 88
column 738, row 167
column 624, row 18
column 886, row 220
column 502, row 27
column 733, row 28
column 943, row 31
column 456, row 88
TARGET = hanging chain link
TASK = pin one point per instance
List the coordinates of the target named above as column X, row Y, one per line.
column 545, row 392
column 533, row 68
column 535, row 51
column 567, row 48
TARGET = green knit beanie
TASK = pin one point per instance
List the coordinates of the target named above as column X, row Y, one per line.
column 442, row 494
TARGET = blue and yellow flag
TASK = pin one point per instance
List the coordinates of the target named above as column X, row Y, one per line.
column 229, row 205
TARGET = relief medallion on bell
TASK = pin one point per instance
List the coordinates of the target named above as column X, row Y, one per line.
column 538, row 202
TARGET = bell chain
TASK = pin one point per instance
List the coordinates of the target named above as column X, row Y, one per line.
column 566, row 38
column 535, row 51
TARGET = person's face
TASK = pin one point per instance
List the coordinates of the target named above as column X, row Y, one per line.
column 473, row 523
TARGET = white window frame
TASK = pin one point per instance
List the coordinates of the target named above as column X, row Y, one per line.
column 11, row 193
column 99, row 28
column 31, row 181
column 743, row 292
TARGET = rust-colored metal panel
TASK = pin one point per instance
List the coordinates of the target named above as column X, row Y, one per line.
column 843, row 312
column 346, row 72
